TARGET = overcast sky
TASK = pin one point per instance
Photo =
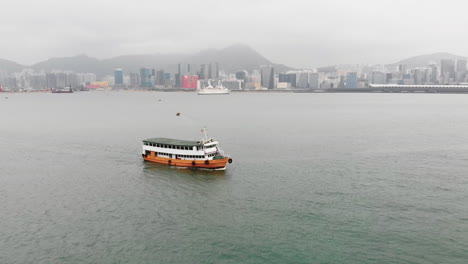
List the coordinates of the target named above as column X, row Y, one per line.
column 299, row 33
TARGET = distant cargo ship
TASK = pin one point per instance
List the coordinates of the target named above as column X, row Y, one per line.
column 204, row 154
column 210, row 90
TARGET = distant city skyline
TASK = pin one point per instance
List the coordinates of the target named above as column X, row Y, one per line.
column 298, row 33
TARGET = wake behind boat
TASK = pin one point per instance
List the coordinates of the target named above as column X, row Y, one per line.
column 210, row 90
column 185, row 153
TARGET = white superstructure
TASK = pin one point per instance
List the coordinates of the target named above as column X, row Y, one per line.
column 210, row 90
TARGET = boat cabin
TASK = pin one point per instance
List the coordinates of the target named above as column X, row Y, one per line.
column 181, row 149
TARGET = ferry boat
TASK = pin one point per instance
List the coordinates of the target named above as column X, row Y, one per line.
column 210, row 90
column 204, row 154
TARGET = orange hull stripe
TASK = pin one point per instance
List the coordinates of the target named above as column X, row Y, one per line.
column 213, row 164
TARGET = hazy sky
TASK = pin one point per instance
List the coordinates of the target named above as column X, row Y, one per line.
column 299, row 33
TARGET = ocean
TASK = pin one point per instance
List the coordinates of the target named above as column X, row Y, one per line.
column 315, row 178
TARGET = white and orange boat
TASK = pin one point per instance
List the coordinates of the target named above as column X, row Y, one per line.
column 204, row 154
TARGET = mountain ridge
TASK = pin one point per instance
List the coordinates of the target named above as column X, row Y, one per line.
column 232, row 58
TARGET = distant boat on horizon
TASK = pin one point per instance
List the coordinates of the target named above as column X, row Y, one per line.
column 64, row 90
column 210, row 90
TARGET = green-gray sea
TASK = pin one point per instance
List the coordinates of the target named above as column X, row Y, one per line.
column 316, row 178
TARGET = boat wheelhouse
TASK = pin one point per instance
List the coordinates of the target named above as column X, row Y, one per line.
column 185, row 153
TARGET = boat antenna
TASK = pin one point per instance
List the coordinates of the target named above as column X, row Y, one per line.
column 204, row 132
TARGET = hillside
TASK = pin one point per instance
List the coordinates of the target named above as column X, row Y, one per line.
column 230, row 59
column 10, row 66
column 425, row 60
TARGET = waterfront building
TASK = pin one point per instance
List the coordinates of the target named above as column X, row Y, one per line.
column 314, row 80
column 461, row 65
column 461, row 70
column 135, row 79
column 160, row 79
column 302, row 80
column 292, row 76
column 189, row 82
column 146, row 76
column 447, row 71
column 351, row 80
column 232, row 84
column 403, row 68
column 242, row 76
column 434, row 75
column 119, row 77
column 378, row 77
column 51, row 81
column 283, row 78
column 267, row 77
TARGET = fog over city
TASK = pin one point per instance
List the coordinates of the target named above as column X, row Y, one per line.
column 298, row 33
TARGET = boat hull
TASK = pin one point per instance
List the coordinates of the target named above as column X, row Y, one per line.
column 202, row 164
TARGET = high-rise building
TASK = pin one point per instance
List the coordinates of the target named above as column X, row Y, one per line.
column 203, row 73
column 293, row 79
column 461, row 70
column 351, row 80
column 135, row 79
column 242, row 76
column 283, row 78
column 190, row 82
column 51, row 81
column 146, row 77
column 267, row 77
column 61, row 79
column 403, row 68
column 302, row 80
column 160, row 79
column 378, row 77
column 461, row 65
column 447, row 71
column 314, row 80
column 118, row 77
column 434, row 76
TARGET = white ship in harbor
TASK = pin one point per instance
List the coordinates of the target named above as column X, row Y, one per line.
column 210, row 90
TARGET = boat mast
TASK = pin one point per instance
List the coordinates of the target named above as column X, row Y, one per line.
column 204, row 132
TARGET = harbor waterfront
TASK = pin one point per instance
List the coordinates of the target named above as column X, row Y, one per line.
column 316, row 178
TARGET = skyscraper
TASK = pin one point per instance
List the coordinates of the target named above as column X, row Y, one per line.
column 351, row 80
column 447, row 71
column 146, row 77
column 461, row 70
column 303, row 80
column 242, row 76
column 267, row 77
column 434, row 74
column 160, row 77
column 119, row 77
column 135, row 79
column 403, row 68
column 283, row 77
column 461, row 65
column 314, row 80
column 293, row 79
column 378, row 77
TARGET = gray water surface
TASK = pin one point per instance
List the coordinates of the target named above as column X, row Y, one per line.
column 316, row 178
